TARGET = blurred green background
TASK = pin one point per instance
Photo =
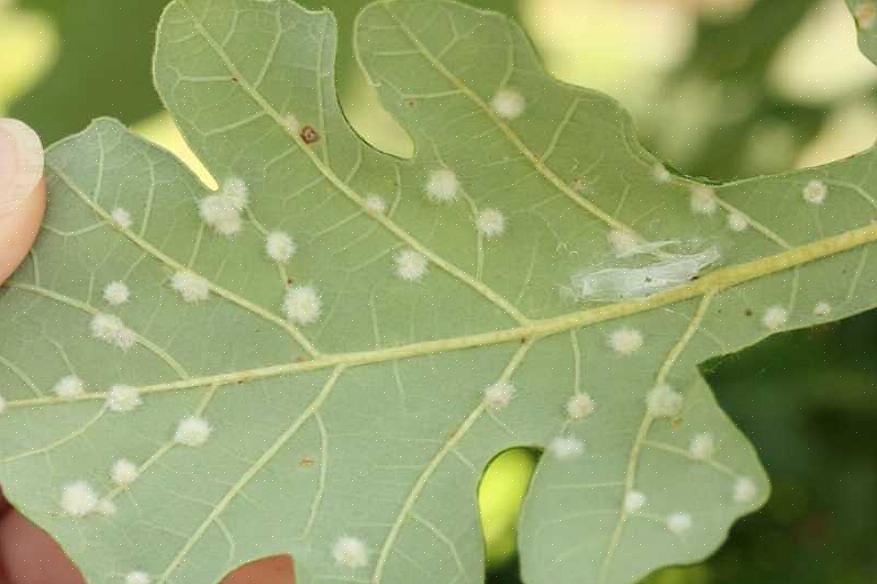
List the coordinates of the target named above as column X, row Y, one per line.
column 719, row 88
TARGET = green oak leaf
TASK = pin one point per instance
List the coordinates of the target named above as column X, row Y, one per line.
column 320, row 359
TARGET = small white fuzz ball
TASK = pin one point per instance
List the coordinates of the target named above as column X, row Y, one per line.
column 822, row 309
column 302, row 305
column 124, row 472
column 279, row 246
column 508, row 104
column 702, row 446
column 291, row 123
column 2, row 404
column 121, row 217
column 664, row 402
column 69, row 387
column 865, row 14
column 490, row 223
column 703, row 200
column 738, row 222
column 192, row 431
column 580, row 406
column 191, row 286
column 679, row 523
column 78, row 499
column 623, row 243
column 138, row 577
column 350, row 552
column 745, row 490
column 376, row 204
column 123, row 398
column 626, row 341
column 566, row 447
column 815, row 192
column 775, row 317
column 442, row 186
column 116, row 293
column 634, row 501
column 499, row 395
column 220, row 213
column 411, row 265
column 106, row 507
column 661, row 174
column 110, row 329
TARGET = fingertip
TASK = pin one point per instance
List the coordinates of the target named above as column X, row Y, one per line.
column 29, row 556
column 276, row 570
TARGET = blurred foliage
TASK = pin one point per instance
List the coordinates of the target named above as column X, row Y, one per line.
column 806, row 399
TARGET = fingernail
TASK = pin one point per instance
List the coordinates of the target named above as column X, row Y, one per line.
column 21, row 162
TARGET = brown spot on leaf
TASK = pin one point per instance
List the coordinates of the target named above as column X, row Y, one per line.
column 309, row 135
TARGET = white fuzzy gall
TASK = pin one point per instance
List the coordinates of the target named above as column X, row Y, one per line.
column 110, row 329
column 490, row 223
column 580, row 406
column 123, row 398
column 78, row 499
column 350, row 552
column 566, row 447
column 508, row 104
column 221, row 213
column 302, row 305
column 702, row 446
column 124, row 472
column 68, row 387
column 190, row 286
column 679, row 523
column 411, row 265
column 822, row 309
column 279, row 246
column 499, row 395
column 815, row 192
column 703, row 200
column 121, row 218
column 192, row 431
column 745, row 490
column 116, row 293
column 442, row 186
column 138, row 577
column 774, row 318
column 376, row 204
column 664, row 402
column 738, row 222
column 634, row 501
column 626, row 341
column 661, row 174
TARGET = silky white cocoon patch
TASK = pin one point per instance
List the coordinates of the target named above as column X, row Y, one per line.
column 302, row 305
column 623, row 243
column 110, row 329
column 69, row 386
column 703, row 200
column 580, row 406
column 566, row 447
column 121, row 217
column 745, row 490
column 815, row 192
column 702, row 446
column 442, row 186
column 138, row 577
column 822, row 309
column 279, row 246
column 738, row 222
column 191, row 286
column 775, row 317
column 411, row 265
column 679, row 523
column 192, row 431
column 663, row 402
column 490, row 223
column 376, row 204
column 124, row 472
column 626, row 341
column 634, row 501
column 123, row 398
column 508, row 104
column 116, row 293
column 499, row 395
column 350, row 552
column 78, row 499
